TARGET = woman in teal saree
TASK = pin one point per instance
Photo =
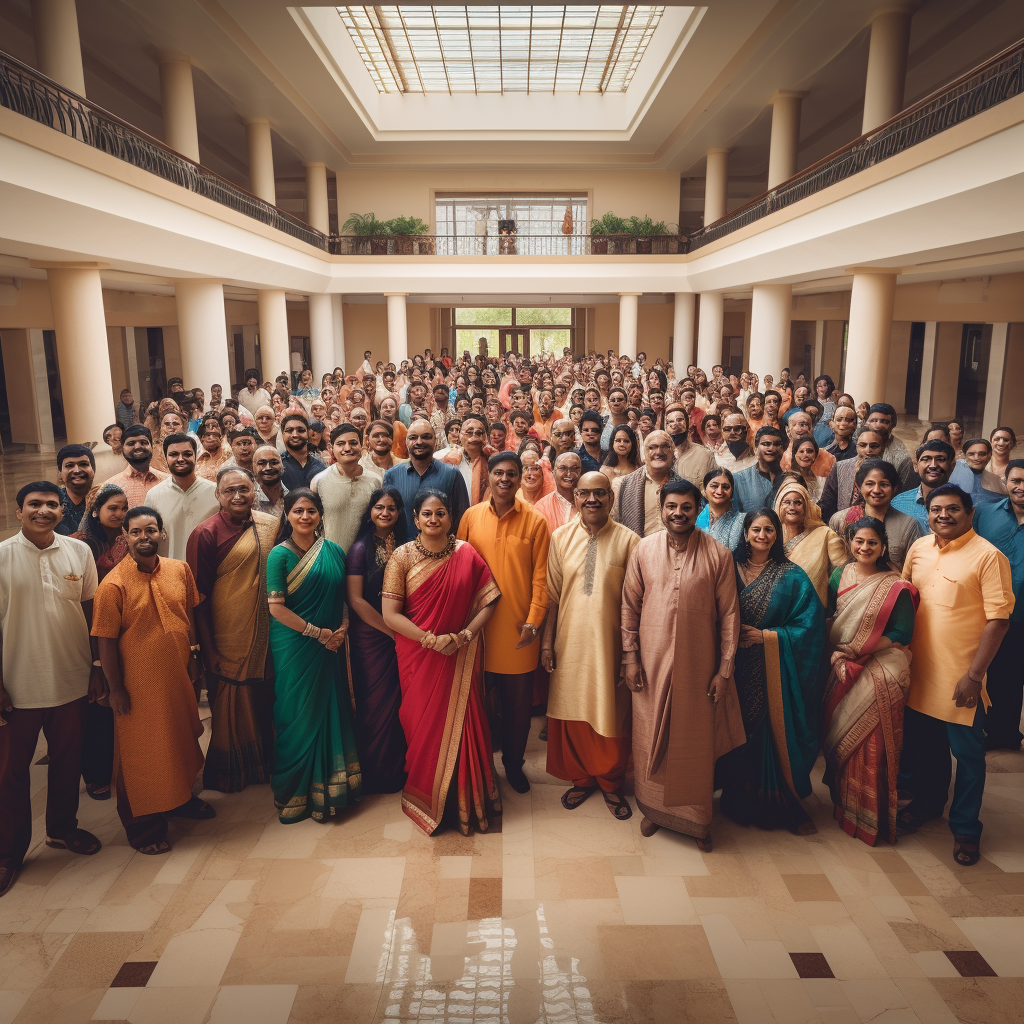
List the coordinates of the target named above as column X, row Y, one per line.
column 782, row 634
column 316, row 768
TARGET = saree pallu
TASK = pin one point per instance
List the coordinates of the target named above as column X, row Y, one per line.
column 726, row 529
column 316, row 769
column 241, row 695
column 764, row 780
column 442, row 711
column 862, row 727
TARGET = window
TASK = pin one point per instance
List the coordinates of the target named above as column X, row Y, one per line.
column 501, row 49
column 527, row 225
column 530, row 332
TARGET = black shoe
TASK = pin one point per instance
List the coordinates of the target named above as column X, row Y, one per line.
column 7, row 877
column 995, row 743
column 517, row 779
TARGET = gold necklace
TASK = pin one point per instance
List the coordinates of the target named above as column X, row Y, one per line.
column 443, row 553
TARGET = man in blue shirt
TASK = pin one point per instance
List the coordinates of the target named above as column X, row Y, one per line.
column 424, row 471
column 754, row 487
column 590, row 451
column 935, row 462
column 1001, row 523
column 125, row 412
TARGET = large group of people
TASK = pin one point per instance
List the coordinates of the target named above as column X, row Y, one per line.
column 702, row 581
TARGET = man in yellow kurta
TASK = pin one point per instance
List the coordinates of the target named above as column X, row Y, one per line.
column 588, row 707
column 966, row 601
column 513, row 540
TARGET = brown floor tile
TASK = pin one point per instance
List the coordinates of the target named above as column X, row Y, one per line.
column 484, row 898
column 134, row 974
column 575, row 878
column 983, row 1000
column 810, row 888
column 970, row 963
column 93, row 959
column 60, row 1006
column 811, row 965
column 656, row 952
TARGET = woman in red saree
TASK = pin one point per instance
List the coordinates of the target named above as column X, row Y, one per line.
column 872, row 623
column 438, row 593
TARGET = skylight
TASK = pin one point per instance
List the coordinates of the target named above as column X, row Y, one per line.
column 501, row 49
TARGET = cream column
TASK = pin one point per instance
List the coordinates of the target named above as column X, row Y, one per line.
column 398, row 328
column 924, row 402
column 338, row 311
column 202, row 333
column 321, row 335
column 711, row 317
column 178, row 104
column 716, row 186
column 770, row 313
column 58, row 47
column 785, row 142
column 819, row 346
column 317, row 214
column 887, row 66
column 682, row 332
column 867, row 350
column 628, row 309
column 76, row 299
column 275, row 346
column 261, row 159
column 994, row 383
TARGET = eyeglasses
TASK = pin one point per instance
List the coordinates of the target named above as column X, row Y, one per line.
column 737, row 428
column 591, row 492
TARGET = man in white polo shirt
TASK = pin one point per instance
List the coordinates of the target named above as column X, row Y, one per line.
column 47, row 584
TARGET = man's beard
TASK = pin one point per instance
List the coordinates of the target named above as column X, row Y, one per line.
column 737, row 448
column 139, row 462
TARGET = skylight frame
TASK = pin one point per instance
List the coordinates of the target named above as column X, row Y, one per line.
column 500, row 50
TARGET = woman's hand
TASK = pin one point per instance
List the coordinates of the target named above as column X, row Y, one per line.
column 749, row 636
column 547, row 659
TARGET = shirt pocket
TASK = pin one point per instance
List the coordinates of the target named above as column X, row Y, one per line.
column 946, row 593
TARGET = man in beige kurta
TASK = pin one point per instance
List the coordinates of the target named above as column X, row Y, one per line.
column 680, row 630
column 588, row 708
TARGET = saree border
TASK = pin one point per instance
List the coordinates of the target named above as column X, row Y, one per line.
column 776, row 711
column 305, row 563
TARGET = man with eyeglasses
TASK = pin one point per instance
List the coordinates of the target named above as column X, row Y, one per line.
column 638, row 494
column 738, row 454
column 590, row 451
column 935, row 462
column 563, row 439
column 754, row 487
column 470, row 457
column 841, row 491
column 966, row 599
column 588, row 712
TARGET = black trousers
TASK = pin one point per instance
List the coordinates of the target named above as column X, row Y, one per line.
column 1006, row 690
column 98, row 746
column 516, row 693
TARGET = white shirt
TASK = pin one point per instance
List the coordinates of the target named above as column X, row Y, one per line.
column 182, row 511
column 253, row 400
column 47, row 658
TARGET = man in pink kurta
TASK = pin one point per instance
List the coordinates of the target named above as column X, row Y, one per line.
column 680, row 630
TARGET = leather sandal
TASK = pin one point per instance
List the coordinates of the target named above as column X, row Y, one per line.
column 79, row 841
column 98, row 792
column 154, row 849
column 570, row 803
column 966, row 852
column 618, row 805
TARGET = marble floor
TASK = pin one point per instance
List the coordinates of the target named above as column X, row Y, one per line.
column 562, row 917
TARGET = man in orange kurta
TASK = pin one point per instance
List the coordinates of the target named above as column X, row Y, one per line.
column 142, row 618
column 513, row 540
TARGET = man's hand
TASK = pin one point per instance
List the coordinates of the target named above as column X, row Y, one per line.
column 717, row 687
column 547, row 659
column 120, row 702
column 527, row 634
column 967, row 692
column 633, row 676
column 97, row 685
column 750, row 636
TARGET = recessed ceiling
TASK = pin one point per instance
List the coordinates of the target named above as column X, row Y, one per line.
column 501, row 49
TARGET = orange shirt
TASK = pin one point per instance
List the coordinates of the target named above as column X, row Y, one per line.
column 962, row 586
column 515, row 548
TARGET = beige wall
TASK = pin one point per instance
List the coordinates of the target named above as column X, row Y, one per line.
column 410, row 192
column 1012, row 407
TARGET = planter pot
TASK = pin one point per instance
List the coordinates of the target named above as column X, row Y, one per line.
column 645, row 245
column 599, row 245
column 403, row 245
column 425, row 245
column 378, row 247
column 620, row 243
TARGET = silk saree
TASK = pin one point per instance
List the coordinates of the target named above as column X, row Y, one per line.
column 442, row 709
column 316, row 768
column 862, row 726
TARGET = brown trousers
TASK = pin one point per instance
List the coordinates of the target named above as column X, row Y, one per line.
column 63, row 726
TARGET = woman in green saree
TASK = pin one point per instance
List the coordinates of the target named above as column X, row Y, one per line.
column 782, row 633
column 316, row 768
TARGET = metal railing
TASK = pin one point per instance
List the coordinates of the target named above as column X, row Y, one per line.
column 27, row 92
column 993, row 82
column 504, row 245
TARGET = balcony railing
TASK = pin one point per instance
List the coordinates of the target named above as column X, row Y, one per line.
column 26, row 91
column 993, row 82
column 505, row 245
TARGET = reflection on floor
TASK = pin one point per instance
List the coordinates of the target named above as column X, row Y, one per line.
column 562, row 917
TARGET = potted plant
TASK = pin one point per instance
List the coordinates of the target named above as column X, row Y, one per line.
column 411, row 235
column 373, row 233
column 644, row 230
column 601, row 231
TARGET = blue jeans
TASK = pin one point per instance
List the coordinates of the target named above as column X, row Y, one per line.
column 926, row 769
